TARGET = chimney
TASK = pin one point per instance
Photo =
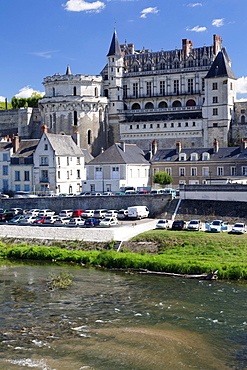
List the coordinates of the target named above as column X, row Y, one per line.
column 217, row 44
column 15, row 142
column 243, row 144
column 44, row 129
column 216, row 146
column 178, row 147
column 154, row 147
column 186, row 46
column 76, row 137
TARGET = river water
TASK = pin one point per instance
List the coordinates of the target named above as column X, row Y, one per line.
column 110, row 320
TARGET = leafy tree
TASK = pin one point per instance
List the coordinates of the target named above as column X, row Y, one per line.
column 31, row 102
column 162, row 178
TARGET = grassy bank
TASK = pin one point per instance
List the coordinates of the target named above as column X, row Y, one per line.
column 177, row 252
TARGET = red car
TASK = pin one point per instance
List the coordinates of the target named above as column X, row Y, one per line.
column 39, row 220
column 77, row 212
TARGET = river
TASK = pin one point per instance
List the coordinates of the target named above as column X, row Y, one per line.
column 111, row 320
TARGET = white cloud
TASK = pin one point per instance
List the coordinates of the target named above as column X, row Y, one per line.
column 218, row 22
column 241, row 85
column 197, row 29
column 149, row 10
column 44, row 54
column 2, row 99
column 192, row 5
column 27, row 91
column 84, row 6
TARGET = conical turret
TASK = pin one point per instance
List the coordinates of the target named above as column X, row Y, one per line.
column 68, row 70
column 115, row 47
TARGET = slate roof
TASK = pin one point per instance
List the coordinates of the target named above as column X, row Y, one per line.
column 87, row 156
column 5, row 146
column 223, row 154
column 115, row 47
column 26, row 148
column 220, row 67
column 64, row 145
column 115, row 155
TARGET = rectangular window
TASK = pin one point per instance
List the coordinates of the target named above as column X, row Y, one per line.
column 162, row 87
column 181, row 171
column 5, row 185
column 125, row 91
column 135, row 89
column 58, row 174
column 215, row 111
column 203, row 84
column 17, row 187
column 190, row 85
column 205, row 171
column 58, row 161
column 108, row 187
column 215, row 86
column 98, row 173
column 78, row 160
column 233, row 171
column 46, row 147
column 26, row 187
column 215, row 124
column 193, row 171
column 5, row 157
column 168, row 170
column 220, row 171
column 244, row 171
column 44, row 175
column 44, row 161
column 78, row 174
column 26, row 176
column 115, row 173
column 5, row 170
column 67, row 161
column 215, row 99
column 92, row 187
column 149, row 88
column 176, row 86
column 67, row 175
column 17, row 176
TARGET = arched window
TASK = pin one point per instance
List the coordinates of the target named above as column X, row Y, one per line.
column 135, row 68
column 53, row 91
column 106, row 93
column 162, row 104
column 176, row 103
column 74, row 90
column 148, row 67
column 136, row 106
column 162, row 65
column 125, row 107
column 242, row 119
column 176, row 65
column 149, row 105
column 101, row 115
column 96, row 92
column 50, row 121
column 75, row 118
column 89, row 137
column 190, row 103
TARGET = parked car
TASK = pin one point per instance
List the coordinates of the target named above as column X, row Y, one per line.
column 108, row 193
column 138, row 212
column 27, row 220
column 7, row 216
column 15, row 220
column 39, row 220
column 2, row 196
column 162, row 224
column 194, row 225
column 62, row 221
column 170, row 191
column 143, row 192
column 50, row 220
column 156, row 191
column 216, row 226
column 33, row 212
column 46, row 212
column 76, row 221
column 122, row 214
column 92, row 222
column 178, row 225
column 95, row 194
column 100, row 213
column 119, row 193
column 66, row 213
column 238, row 228
column 108, row 221
column 17, row 211
column 77, row 212
column 130, row 192
column 84, row 194
column 88, row 213
column 111, row 213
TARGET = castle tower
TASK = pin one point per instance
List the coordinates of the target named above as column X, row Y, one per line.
column 220, row 94
column 114, row 88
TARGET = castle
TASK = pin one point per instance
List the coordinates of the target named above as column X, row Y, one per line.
column 186, row 94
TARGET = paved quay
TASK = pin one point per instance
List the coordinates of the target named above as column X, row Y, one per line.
column 119, row 233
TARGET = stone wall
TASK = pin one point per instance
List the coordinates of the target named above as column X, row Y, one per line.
column 231, row 192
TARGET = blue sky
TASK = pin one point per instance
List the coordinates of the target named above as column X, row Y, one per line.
column 40, row 38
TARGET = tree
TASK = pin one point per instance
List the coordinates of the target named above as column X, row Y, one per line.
column 162, row 178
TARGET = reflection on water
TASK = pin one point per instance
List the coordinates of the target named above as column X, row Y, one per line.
column 110, row 320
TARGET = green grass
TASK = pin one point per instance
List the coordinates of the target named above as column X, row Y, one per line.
column 180, row 252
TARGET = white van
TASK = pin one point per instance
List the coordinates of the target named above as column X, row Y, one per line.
column 138, row 212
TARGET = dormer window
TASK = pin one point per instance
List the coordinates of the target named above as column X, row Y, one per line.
column 182, row 157
column 194, row 157
column 205, row 156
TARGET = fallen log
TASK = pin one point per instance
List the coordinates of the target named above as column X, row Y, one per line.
column 212, row 275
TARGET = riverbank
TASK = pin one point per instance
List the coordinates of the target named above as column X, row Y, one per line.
column 179, row 252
